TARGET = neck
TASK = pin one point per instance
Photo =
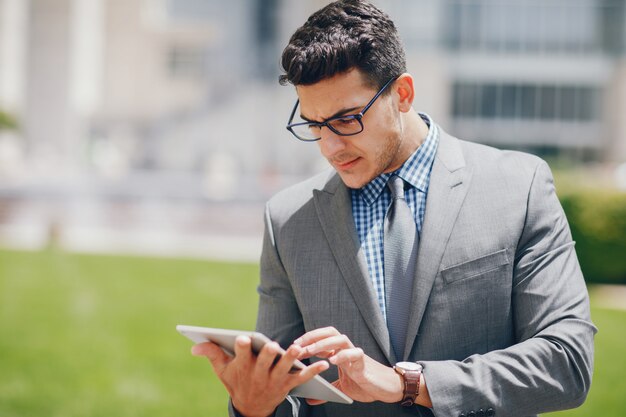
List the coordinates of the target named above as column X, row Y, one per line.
column 415, row 130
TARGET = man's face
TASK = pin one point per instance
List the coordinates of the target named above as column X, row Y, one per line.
column 378, row 148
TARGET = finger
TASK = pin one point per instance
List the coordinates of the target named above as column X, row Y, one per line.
column 292, row 380
column 243, row 350
column 329, row 345
column 266, row 357
column 309, row 372
column 354, row 358
column 219, row 359
column 325, row 355
column 286, row 362
column 315, row 335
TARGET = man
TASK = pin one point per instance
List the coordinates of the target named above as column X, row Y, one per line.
column 475, row 307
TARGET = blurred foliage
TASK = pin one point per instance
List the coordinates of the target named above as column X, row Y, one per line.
column 597, row 217
column 7, row 121
column 606, row 397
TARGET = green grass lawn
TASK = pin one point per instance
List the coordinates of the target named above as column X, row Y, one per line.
column 94, row 336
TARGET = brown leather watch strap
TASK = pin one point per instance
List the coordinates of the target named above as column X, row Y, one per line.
column 411, row 380
column 411, row 387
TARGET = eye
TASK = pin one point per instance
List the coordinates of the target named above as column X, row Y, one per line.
column 348, row 121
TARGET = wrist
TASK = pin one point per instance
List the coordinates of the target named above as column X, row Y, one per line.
column 241, row 411
column 396, row 387
column 423, row 397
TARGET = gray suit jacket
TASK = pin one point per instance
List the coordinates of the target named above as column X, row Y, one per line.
column 500, row 318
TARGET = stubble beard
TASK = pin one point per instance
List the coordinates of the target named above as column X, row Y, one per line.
column 384, row 160
column 390, row 155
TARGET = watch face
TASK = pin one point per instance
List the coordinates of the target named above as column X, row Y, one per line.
column 409, row 366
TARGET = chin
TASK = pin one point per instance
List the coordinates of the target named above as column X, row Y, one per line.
column 353, row 181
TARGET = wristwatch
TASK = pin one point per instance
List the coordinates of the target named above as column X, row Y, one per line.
column 411, row 373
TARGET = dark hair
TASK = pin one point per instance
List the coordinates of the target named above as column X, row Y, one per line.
column 345, row 34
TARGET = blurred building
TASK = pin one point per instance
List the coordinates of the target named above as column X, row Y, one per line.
column 542, row 76
column 116, row 87
column 127, row 101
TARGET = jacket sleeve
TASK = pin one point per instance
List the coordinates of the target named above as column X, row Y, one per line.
column 550, row 366
column 278, row 317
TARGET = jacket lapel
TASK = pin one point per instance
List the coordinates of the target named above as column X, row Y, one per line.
column 449, row 182
column 334, row 209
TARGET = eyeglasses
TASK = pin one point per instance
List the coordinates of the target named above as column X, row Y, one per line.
column 348, row 125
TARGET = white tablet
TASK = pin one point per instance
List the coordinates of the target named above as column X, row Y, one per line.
column 317, row 388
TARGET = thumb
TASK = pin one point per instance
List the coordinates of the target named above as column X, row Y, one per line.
column 219, row 359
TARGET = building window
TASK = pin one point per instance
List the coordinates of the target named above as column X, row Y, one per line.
column 526, row 101
column 570, row 26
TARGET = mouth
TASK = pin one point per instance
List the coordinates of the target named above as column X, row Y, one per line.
column 346, row 165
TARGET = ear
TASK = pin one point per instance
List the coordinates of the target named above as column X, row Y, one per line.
column 405, row 92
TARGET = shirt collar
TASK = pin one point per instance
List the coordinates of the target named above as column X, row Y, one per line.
column 412, row 168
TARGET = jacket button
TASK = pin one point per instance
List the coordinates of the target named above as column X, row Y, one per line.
column 480, row 413
column 490, row 412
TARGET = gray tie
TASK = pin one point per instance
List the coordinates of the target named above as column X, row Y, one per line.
column 400, row 248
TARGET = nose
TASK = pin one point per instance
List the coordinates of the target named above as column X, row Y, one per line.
column 330, row 143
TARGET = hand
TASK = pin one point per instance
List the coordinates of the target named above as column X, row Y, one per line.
column 257, row 386
column 360, row 377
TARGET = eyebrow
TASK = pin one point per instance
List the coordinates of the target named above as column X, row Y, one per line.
column 342, row 112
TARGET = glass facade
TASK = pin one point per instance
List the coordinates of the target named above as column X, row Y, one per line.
column 526, row 101
column 533, row 73
column 536, row 26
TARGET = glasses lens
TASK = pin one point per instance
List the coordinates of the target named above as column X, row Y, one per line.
column 306, row 131
column 349, row 125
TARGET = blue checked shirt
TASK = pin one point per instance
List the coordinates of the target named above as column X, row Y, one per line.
column 370, row 203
